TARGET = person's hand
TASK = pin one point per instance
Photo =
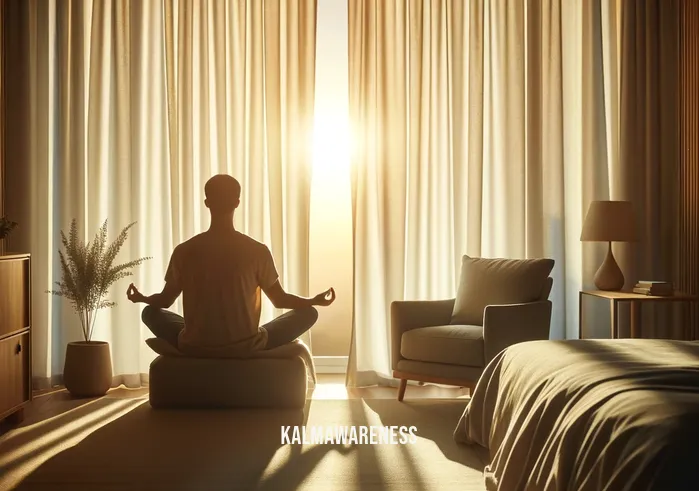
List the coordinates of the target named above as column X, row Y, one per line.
column 134, row 295
column 324, row 299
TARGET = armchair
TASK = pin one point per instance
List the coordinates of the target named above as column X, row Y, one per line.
column 429, row 344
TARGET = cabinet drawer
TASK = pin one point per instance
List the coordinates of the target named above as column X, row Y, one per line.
column 14, row 371
column 14, row 295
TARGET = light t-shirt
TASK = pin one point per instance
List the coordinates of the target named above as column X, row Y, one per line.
column 221, row 277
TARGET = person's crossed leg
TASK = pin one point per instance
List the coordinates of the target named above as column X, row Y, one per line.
column 163, row 323
column 289, row 326
column 167, row 325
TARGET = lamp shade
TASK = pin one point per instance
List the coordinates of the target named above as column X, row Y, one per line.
column 610, row 221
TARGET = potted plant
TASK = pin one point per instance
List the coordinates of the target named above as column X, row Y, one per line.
column 6, row 227
column 88, row 271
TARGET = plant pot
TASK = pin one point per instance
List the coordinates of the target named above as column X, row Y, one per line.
column 88, row 368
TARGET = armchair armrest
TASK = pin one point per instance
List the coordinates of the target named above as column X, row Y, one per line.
column 505, row 325
column 413, row 314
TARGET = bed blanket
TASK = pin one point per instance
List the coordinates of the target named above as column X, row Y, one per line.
column 588, row 415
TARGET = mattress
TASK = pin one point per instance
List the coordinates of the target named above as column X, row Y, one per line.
column 588, row 415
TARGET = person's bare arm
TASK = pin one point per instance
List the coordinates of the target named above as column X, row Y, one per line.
column 171, row 290
column 284, row 300
column 162, row 300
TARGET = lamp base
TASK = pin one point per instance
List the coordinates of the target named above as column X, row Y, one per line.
column 609, row 276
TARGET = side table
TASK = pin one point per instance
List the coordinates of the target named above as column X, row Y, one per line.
column 635, row 300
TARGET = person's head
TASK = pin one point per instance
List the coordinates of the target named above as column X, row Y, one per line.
column 222, row 194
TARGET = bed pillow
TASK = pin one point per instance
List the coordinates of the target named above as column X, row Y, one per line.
column 486, row 282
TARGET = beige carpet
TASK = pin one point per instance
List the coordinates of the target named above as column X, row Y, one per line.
column 123, row 444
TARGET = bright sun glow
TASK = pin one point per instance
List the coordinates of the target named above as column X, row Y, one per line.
column 330, row 391
column 330, row 239
column 331, row 143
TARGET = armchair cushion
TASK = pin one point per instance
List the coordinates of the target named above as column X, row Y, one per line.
column 412, row 314
column 450, row 344
column 486, row 282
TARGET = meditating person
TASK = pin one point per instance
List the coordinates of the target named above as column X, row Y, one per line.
column 220, row 274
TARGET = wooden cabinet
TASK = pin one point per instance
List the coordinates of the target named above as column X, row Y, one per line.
column 15, row 335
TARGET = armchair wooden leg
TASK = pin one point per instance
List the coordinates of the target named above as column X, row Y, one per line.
column 401, row 389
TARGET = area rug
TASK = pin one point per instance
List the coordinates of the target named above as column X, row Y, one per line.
column 118, row 444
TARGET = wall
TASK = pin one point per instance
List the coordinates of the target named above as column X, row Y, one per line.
column 689, row 153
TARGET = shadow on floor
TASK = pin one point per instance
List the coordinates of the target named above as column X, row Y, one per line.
column 124, row 444
column 129, row 445
column 435, row 420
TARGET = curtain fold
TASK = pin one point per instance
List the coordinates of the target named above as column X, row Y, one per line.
column 688, row 263
column 132, row 107
column 2, row 120
column 486, row 128
column 649, row 147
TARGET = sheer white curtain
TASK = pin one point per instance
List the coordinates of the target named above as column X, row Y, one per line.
column 123, row 109
column 480, row 128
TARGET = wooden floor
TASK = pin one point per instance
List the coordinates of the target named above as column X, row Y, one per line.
column 332, row 386
column 53, row 402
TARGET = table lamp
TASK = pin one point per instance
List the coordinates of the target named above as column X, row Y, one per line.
column 609, row 221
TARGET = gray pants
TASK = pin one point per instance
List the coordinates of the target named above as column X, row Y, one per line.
column 282, row 330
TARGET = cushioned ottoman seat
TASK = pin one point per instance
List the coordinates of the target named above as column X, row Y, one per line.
column 273, row 379
column 197, row 382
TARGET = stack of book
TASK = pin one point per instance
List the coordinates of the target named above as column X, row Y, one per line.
column 655, row 288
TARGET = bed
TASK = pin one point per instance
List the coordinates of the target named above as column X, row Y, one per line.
column 588, row 415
